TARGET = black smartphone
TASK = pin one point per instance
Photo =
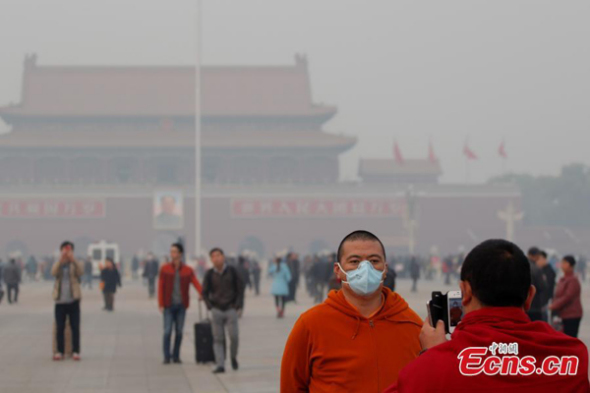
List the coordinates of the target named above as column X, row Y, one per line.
column 437, row 309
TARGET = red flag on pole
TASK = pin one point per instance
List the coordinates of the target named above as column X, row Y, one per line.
column 468, row 152
column 502, row 150
column 431, row 155
column 397, row 154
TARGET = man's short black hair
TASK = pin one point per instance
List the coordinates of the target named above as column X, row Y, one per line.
column 499, row 273
column 65, row 244
column 544, row 254
column 358, row 235
column 214, row 250
column 179, row 247
column 570, row 259
column 534, row 251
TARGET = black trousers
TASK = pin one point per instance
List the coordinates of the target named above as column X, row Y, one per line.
column 571, row 326
column 62, row 311
column 12, row 289
column 109, row 300
column 280, row 301
column 152, row 286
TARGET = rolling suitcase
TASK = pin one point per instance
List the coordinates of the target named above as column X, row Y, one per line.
column 203, row 340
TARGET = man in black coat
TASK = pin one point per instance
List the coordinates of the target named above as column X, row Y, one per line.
column 150, row 272
column 538, row 280
column 1, row 290
column 550, row 277
column 111, row 279
column 294, row 267
column 389, row 281
column 223, row 291
column 414, row 273
column 12, row 279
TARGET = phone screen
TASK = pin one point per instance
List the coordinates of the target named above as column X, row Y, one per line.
column 455, row 309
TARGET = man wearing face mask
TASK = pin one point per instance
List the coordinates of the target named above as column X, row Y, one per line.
column 360, row 337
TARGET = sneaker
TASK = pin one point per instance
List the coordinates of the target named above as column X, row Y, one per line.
column 58, row 356
column 177, row 361
column 219, row 370
column 234, row 364
column 166, row 361
column 76, row 356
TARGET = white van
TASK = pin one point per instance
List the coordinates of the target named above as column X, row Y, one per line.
column 98, row 252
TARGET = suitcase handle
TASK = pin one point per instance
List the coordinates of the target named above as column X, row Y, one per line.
column 201, row 312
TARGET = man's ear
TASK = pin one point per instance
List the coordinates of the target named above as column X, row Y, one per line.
column 530, row 297
column 336, row 270
column 466, row 292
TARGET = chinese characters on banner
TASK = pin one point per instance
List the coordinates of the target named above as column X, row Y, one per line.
column 317, row 207
column 52, row 208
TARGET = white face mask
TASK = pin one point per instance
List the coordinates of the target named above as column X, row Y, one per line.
column 365, row 279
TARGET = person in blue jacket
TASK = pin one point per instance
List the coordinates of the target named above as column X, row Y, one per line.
column 281, row 275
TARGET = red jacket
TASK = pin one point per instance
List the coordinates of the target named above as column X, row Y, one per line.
column 166, row 284
column 567, row 302
column 437, row 369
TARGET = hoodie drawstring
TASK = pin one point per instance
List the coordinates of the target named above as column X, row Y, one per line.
column 358, row 326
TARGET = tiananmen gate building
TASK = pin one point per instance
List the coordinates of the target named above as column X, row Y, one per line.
column 108, row 153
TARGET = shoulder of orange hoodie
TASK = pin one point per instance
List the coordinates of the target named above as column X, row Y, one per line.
column 405, row 313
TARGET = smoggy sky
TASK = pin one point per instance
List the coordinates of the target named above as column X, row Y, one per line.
column 412, row 70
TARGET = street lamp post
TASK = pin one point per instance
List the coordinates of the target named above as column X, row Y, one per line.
column 198, row 107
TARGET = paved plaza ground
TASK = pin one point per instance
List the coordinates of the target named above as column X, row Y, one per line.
column 122, row 350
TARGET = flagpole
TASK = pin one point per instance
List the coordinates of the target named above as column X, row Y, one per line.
column 198, row 108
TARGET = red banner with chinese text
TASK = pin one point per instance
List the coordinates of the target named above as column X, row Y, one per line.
column 52, row 208
column 317, row 207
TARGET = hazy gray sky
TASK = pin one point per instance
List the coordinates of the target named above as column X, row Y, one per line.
column 407, row 69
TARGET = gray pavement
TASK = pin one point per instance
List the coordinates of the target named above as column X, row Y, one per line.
column 121, row 351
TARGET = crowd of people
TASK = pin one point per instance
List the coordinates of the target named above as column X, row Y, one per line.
column 361, row 335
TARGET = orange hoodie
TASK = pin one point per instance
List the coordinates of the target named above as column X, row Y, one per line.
column 333, row 348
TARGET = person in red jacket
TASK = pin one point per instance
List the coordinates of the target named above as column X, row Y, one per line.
column 173, row 299
column 567, row 302
column 496, row 347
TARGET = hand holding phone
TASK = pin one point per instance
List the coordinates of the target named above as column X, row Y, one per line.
column 432, row 336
